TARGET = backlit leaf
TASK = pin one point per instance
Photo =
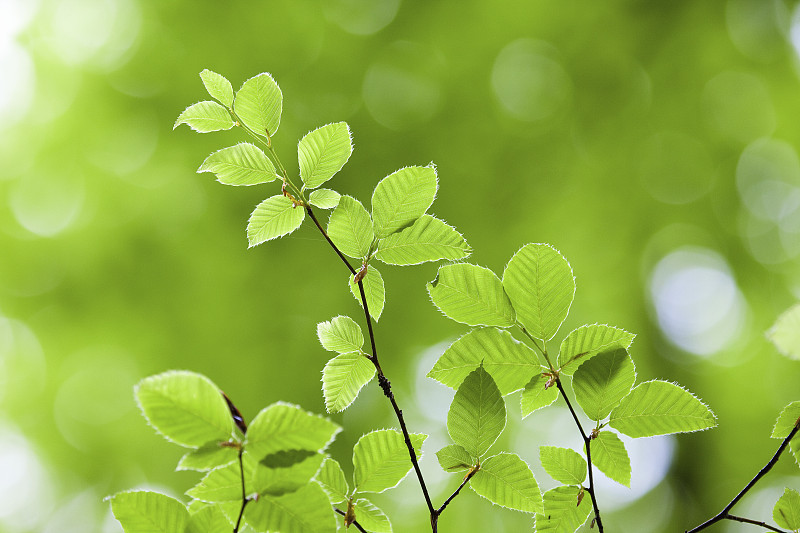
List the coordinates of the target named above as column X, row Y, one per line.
column 786, row 421
column 371, row 518
column 472, row 295
column 602, row 381
column 350, row 228
column 332, row 479
column 535, row 395
column 506, row 480
column 204, row 117
column 210, row 519
column 259, row 104
column 207, row 457
column 562, row 514
column 477, row 415
column 306, row 510
column 785, row 333
column 241, row 164
column 341, row 334
column 611, row 458
column 218, row 87
column 221, row 485
column 274, row 217
column 342, row 379
column 374, row 290
column 563, row 464
column 587, row 341
column 381, row 460
column 283, row 426
column 427, row 239
column 148, row 512
column 323, row 152
column 454, row 458
column 285, row 471
column 324, row 198
column 402, row 197
column 786, row 512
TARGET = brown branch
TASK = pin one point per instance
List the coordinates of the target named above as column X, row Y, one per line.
column 244, row 493
column 440, row 510
column 755, row 523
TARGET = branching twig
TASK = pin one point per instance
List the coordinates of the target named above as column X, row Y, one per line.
column 440, row 510
column 244, row 493
column 355, row 522
column 755, row 523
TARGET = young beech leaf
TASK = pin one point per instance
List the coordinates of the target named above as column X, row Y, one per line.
column 259, row 104
column 540, row 285
column 374, row 290
column 241, row 164
column 472, row 295
column 477, row 415
column 341, row 334
column 218, row 87
column 205, row 117
column 342, row 379
column 786, row 421
column 402, row 197
column 602, row 381
column 283, row 426
column 323, row 152
column 380, row 459
column 209, row 519
column 350, row 228
column 660, row 408
column 285, row 471
column 562, row 513
column 564, row 465
column 537, row 394
column 207, row 457
column 454, row 458
column 510, row 362
column 222, row 484
column 324, row 198
column 274, row 217
column 371, row 518
column 507, row 480
column 786, row 512
column 186, row 408
column 427, row 239
column 785, row 333
column 306, row 510
column 332, row 479
column 587, row 341
column 148, row 512
column 611, row 458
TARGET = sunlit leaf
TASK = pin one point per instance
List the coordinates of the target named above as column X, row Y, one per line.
column 285, row 471
column 660, row 408
column 350, row 228
column 341, row 334
column 374, row 290
column 786, row 421
column 587, row 341
column 209, row 456
column 323, row 152
column 381, row 460
column 259, row 104
column 332, row 479
column 371, row 518
column 454, row 458
column 218, row 87
column 506, row 480
column 402, row 197
column 274, row 217
column 342, row 379
column 611, row 458
column 186, row 408
column 472, row 295
column 221, row 485
column 148, row 512
column 536, row 394
column 540, row 285
column 283, row 426
column 306, row 510
column 204, row 117
column 563, row 464
column 324, row 198
column 427, row 239
column 786, row 512
column 210, row 519
column 602, row 381
column 241, row 164
column 562, row 514
column 477, row 415
column 510, row 362
column 785, row 333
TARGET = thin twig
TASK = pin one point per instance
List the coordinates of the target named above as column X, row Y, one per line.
column 355, row 522
column 244, row 494
column 327, row 238
column 755, row 523
column 469, row 475
column 725, row 513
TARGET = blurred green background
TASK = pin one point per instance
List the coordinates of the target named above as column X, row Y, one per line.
column 653, row 143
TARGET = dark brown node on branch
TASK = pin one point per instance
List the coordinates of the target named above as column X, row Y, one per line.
column 360, row 274
column 235, row 413
column 385, row 384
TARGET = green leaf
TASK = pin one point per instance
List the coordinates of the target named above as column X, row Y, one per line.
column 374, row 290
column 341, row 334
column 221, row 485
column 506, row 480
column 381, row 459
column 323, row 152
column 306, row 510
column 611, row 458
column 472, row 295
column 535, row 395
column 510, row 362
column 259, row 104
column 540, row 285
column 786, row 512
column 454, row 458
column 563, row 464
column 371, row 518
column 785, row 333
column 587, row 341
column 186, row 408
column 786, row 421
column 241, row 164
column 324, row 198
column 794, row 445
column 428, row 239
column 205, row 117
column 285, row 471
column 218, row 87
column 209, row 519
column 207, row 457
column 148, row 512
column 274, row 217
column 402, row 197
column 283, row 426
column 332, row 479
column 477, row 415
column 342, row 379
column 602, row 381
column 350, row 228
column 562, row 514
column 660, row 408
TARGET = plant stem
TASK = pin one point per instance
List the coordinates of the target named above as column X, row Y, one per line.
column 244, row 493
column 355, row 522
column 440, row 510
column 587, row 441
column 725, row 513
column 755, row 523
column 541, row 349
